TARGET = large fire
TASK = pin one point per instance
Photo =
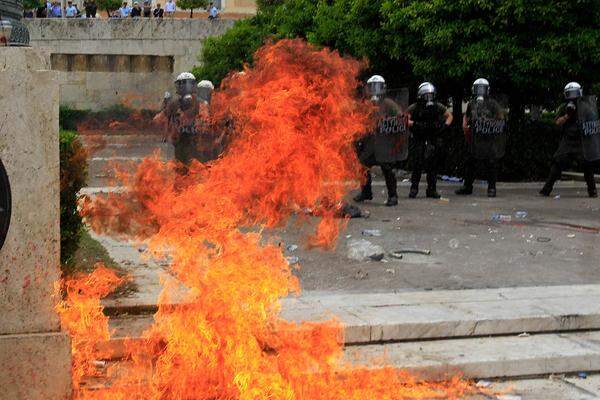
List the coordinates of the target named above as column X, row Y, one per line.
column 295, row 116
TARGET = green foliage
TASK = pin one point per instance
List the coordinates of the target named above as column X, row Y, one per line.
column 69, row 118
column 108, row 5
column 230, row 51
column 191, row 5
column 73, row 174
column 32, row 4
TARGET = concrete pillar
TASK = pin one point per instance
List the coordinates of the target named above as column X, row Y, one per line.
column 35, row 359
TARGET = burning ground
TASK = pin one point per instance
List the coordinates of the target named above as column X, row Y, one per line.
column 295, row 116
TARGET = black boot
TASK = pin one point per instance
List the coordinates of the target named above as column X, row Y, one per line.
column 588, row 174
column 414, row 190
column 491, row 192
column 465, row 190
column 432, row 194
column 363, row 195
column 392, row 201
column 546, row 190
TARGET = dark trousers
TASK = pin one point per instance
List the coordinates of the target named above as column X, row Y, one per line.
column 390, row 182
column 489, row 168
column 564, row 162
column 428, row 157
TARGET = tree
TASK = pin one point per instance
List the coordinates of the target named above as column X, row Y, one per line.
column 32, row 4
column 191, row 5
column 108, row 5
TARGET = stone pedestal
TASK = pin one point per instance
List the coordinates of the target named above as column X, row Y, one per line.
column 35, row 361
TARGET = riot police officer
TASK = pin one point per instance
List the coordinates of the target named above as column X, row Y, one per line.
column 180, row 114
column 428, row 122
column 484, row 125
column 387, row 146
column 578, row 119
column 205, row 89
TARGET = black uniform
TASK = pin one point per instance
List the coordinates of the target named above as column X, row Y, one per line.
column 427, row 145
column 486, row 142
column 386, row 147
column 580, row 142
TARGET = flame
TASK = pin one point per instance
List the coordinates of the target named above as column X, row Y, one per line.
column 296, row 117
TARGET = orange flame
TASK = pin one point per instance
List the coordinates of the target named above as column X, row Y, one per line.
column 296, row 118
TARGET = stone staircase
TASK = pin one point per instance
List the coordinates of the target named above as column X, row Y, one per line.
column 123, row 149
column 485, row 333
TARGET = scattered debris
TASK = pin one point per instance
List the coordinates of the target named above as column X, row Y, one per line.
column 571, row 235
column 557, row 197
column 509, row 397
column 454, row 243
column 363, row 250
column 524, row 334
column 521, row 214
column 483, row 384
column 447, row 178
column 348, row 236
column 292, row 260
column 582, row 375
column 398, row 253
column 371, row 232
column 443, row 200
column 501, row 217
column 292, row 247
column 391, row 271
column 352, row 211
column 360, row 275
column 543, row 239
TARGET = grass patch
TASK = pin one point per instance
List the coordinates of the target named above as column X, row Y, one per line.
column 91, row 252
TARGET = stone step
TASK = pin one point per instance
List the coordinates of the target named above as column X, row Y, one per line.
column 387, row 317
column 140, row 150
column 491, row 357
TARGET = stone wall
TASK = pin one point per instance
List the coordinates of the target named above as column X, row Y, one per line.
column 34, row 353
column 103, row 62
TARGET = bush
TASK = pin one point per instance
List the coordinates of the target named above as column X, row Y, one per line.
column 68, row 117
column 73, row 174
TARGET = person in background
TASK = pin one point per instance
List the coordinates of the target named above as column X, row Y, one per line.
column 71, row 10
column 170, row 8
column 136, row 11
column 42, row 11
column 158, row 12
column 28, row 13
column 124, row 11
column 56, row 10
column 90, row 8
column 147, row 9
column 213, row 12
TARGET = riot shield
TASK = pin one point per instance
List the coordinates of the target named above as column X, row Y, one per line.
column 589, row 126
column 390, row 139
column 488, row 129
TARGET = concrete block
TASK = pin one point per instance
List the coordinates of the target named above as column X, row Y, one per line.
column 29, row 260
column 35, row 366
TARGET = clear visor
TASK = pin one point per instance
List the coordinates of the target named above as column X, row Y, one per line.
column 376, row 88
column 205, row 94
column 572, row 94
column 185, row 86
column 480, row 90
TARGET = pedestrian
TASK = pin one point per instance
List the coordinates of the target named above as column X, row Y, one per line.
column 158, row 12
column 484, row 126
column 90, row 8
column 578, row 119
column 387, row 146
column 147, row 9
column 28, row 13
column 428, row 121
column 213, row 12
column 170, row 8
column 125, row 10
column 56, row 10
column 71, row 10
column 136, row 11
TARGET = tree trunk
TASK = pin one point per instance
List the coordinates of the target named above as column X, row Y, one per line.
column 191, row 13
